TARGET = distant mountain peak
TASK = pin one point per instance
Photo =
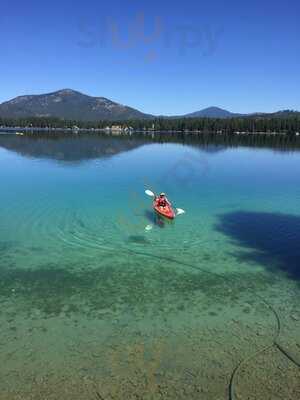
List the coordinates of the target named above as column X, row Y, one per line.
column 214, row 108
column 68, row 104
column 67, row 91
column 211, row 112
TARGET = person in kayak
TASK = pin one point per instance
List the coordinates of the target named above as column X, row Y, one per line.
column 162, row 200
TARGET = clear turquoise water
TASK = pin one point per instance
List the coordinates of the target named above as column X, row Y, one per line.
column 92, row 301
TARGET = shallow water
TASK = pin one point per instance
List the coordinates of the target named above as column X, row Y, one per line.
column 94, row 305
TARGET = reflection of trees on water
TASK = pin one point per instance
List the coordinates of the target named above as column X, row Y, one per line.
column 81, row 147
column 212, row 142
column 68, row 148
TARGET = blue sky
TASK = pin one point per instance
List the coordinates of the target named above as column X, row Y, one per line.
column 169, row 57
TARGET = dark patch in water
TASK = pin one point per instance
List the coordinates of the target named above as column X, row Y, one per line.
column 13, row 328
column 139, row 239
column 80, row 222
column 212, row 314
column 6, row 246
column 271, row 239
column 36, row 249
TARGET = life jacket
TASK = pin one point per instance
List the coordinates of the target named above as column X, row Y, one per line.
column 162, row 201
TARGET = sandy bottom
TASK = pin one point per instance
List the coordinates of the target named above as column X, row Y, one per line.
column 141, row 331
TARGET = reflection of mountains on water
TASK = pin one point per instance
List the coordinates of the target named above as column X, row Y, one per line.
column 83, row 147
column 68, row 148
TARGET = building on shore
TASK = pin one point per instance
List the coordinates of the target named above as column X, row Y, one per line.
column 116, row 129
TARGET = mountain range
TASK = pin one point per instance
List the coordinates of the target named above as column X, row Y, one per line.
column 72, row 105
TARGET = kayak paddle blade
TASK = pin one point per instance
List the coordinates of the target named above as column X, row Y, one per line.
column 149, row 193
column 180, row 211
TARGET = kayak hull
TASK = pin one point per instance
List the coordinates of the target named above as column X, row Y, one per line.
column 166, row 211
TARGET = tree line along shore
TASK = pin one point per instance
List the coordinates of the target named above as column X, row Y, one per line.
column 240, row 125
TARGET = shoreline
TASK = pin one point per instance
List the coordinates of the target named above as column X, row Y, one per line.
column 121, row 132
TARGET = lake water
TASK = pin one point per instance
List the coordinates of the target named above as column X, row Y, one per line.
column 101, row 299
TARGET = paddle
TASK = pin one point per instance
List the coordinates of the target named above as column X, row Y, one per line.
column 149, row 193
column 179, row 211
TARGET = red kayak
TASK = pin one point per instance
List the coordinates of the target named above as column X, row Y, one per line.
column 166, row 211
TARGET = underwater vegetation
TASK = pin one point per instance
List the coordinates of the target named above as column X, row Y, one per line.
column 143, row 285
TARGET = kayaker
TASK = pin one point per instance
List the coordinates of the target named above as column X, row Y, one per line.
column 162, row 200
